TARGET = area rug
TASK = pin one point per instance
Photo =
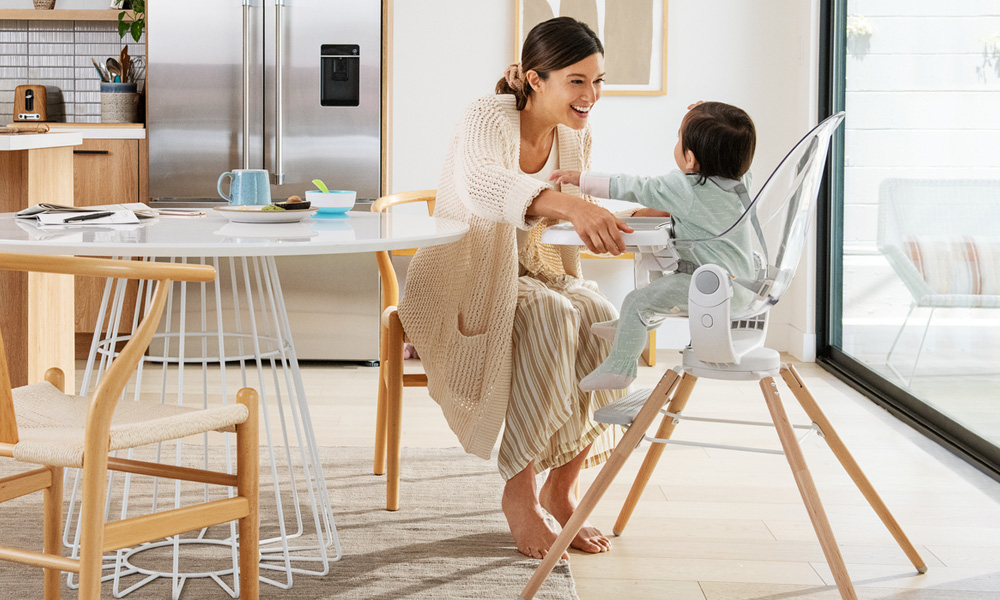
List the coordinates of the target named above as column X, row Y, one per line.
column 448, row 540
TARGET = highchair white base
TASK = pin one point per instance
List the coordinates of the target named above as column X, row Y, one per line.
column 754, row 366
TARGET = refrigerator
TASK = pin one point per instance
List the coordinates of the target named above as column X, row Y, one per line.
column 290, row 86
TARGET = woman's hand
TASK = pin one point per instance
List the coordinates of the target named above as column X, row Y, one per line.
column 690, row 106
column 560, row 177
column 600, row 230
column 650, row 212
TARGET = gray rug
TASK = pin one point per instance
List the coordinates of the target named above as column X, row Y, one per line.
column 449, row 540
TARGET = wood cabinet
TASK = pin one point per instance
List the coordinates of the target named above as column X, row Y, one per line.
column 105, row 171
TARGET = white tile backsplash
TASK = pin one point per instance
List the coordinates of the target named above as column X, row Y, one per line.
column 57, row 54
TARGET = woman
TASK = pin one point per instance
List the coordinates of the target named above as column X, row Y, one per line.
column 501, row 321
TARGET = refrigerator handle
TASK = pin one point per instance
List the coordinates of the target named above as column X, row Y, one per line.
column 279, row 171
column 245, row 159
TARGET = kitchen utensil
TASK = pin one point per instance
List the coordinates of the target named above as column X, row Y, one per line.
column 125, row 62
column 100, row 71
column 332, row 201
column 322, row 186
column 247, row 187
column 29, row 103
column 114, row 68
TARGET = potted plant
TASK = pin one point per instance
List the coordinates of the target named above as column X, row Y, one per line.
column 133, row 23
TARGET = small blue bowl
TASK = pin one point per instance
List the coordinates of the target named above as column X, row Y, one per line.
column 332, row 202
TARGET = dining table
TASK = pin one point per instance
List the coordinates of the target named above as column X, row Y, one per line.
column 215, row 338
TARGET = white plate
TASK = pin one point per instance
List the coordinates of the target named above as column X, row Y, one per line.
column 254, row 214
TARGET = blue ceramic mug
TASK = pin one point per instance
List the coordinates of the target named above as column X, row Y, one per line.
column 247, row 187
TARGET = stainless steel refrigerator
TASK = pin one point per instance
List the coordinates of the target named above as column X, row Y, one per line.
column 291, row 86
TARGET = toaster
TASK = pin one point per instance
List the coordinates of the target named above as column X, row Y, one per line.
column 29, row 103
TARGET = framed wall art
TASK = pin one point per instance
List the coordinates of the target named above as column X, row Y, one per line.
column 634, row 34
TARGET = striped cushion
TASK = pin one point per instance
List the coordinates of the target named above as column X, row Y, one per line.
column 968, row 265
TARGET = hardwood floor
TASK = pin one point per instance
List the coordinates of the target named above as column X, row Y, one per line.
column 723, row 525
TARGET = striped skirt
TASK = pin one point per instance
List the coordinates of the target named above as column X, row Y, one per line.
column 548, row 416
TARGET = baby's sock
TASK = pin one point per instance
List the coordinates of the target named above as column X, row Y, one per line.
column 605, row 329
column 605, row 379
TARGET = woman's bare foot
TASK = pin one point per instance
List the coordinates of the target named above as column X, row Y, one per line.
column 561, row 504
column 532, row 535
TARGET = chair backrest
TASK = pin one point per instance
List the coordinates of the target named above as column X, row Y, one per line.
column 777, row 221
column 387, row 275
column 941, row 236
column 114, row 381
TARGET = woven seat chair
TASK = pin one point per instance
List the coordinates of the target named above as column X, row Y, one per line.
column 41, row 424
column 391, row 380
column 727, row 343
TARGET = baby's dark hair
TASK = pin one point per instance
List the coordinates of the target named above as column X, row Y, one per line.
column 721, row 137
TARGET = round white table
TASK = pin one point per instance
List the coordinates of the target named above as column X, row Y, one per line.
column 224, row 335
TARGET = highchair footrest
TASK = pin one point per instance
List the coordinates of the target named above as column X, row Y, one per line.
column 624, row 410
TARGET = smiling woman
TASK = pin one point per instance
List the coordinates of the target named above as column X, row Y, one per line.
column 502, row 321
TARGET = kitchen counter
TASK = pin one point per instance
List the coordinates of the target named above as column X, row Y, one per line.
column 102, row 131
column 35, row 141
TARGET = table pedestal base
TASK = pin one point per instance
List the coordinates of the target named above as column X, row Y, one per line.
column 215, row 338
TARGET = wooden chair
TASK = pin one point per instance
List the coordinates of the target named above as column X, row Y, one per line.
column 41, row 424
column 391, row 380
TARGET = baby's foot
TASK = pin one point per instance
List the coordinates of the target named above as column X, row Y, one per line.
column 605, row 380
column 605, row 329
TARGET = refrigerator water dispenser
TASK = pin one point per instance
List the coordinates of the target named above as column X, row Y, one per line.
column 340, row 75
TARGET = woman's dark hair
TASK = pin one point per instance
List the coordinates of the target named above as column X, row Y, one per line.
column 721, row 137
column 551, row 45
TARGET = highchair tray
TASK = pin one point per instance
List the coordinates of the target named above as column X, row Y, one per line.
column 649, row 232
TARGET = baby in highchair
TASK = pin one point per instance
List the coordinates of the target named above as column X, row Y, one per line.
column 707, row 196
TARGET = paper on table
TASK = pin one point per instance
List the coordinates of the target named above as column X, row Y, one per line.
column 118, row 217
column 138, row 208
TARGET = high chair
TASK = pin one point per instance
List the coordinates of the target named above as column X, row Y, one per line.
column 727, row 342
column 41, row 424
column 391, row 380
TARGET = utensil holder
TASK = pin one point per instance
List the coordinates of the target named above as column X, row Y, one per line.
column 119, row 103
column 45, row 4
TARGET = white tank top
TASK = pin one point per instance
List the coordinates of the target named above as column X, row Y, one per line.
column 543, row 176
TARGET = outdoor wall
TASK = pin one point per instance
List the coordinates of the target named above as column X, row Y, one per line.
column 759, row 55
column 922, row 91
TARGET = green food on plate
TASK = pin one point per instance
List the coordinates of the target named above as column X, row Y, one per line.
column 271, row 208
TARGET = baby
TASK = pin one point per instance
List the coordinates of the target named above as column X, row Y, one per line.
column 715, row 145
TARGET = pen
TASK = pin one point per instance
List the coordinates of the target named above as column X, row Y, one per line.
column 88, row 217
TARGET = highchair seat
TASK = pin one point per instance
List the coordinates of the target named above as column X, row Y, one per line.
column 51, row 424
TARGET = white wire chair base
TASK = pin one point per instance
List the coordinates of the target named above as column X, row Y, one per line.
column 224, row 335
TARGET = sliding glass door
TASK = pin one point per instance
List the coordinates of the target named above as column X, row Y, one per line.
column 910, row 292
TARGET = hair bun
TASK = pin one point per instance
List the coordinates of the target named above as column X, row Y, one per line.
column 514, row 76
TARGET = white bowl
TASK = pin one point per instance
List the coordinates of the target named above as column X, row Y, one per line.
column 334, row 201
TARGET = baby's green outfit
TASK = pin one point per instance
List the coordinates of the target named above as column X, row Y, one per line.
column 698, row 211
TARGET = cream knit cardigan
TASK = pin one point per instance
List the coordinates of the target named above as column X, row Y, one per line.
column 458, row 308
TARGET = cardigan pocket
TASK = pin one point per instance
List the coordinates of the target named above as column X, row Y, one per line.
column 467, row 354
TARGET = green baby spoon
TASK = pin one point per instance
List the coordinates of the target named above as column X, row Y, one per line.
column 322, row 186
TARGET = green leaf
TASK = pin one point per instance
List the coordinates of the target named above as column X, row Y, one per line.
column 137, row 27
column 122, row 28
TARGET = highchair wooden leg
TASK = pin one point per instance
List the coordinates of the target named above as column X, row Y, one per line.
column 667, row 425
column 805, row 398
column 807, row 488
column 52, row 528
column 611, row 468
